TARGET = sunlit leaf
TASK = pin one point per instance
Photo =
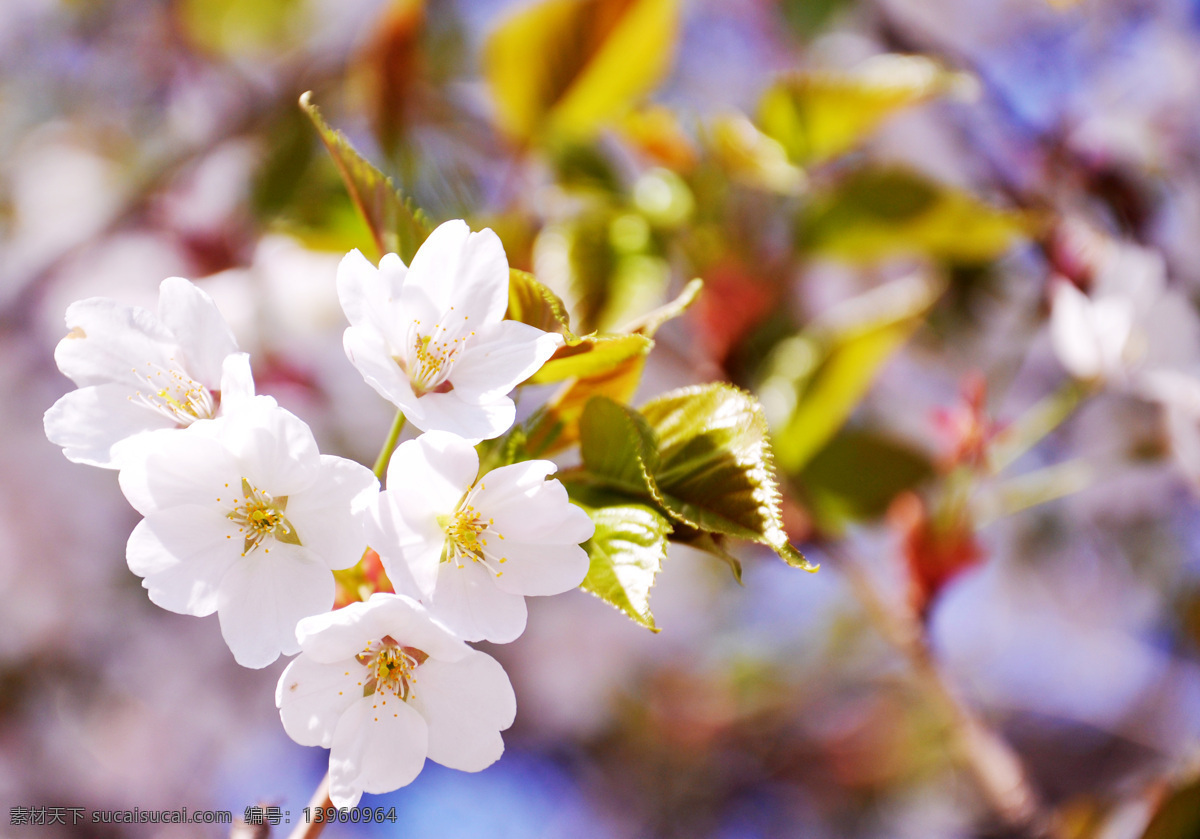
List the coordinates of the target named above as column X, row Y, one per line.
column 558, row 425
column 881, row 212
column 753, row 158
column 593, row 355
column 237, row 27
column 618, row 447
column 822, row 375
column 566, row 68
column 396, row 224
column 626, row 552
column 712, row 544
column 531, row 302
column 649, row 323
column 716, row 472
column 818, row 115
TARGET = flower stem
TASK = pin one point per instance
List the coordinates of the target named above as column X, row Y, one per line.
column 320, row 800
column 385, row 454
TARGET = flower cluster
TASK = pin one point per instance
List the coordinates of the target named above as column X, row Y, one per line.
column 243, row 516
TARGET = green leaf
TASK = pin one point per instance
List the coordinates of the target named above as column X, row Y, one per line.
column 593, row 355
column 716, row 472
column 396, row 224
column 881, row 212
column 558, row 427
column 857, row 475
column 816, row 116
column 649, row 323
column 533, row 303
column 618, row 447
column 626, row 553
column 825, row 372
column 566, row 68
column 710, row 543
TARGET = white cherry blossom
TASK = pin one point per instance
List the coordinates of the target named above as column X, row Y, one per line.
column 432, row 338
column 137, row 371
column 384, row 686
column 471, row 550
column 245, row 518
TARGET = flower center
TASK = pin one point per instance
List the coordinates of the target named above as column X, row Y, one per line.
column 174, row 394
column 467, row 535
column 391, row 667
column 259, row 515
column 431, row 356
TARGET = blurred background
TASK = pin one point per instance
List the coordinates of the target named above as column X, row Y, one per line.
column 953, row 246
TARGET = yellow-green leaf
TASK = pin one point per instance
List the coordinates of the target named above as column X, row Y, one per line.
column 566, row 68
column 618, row 447
column 820, row 376
column 396, row 224
column 816, row 116
column 592, row 355
column 533, row 303
column 626, row 552
column 716, row 472
column 877, row 213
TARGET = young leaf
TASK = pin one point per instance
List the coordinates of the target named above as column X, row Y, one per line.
column 816, row 116
column 649, row 323
column 618, row 447
column 558, row 426
column 533, row 303
column 566, row 68
column 716, row 472
column 827, row 371
column 396, row 224
column 881, row 212
column 594, row 355
column 626, row 553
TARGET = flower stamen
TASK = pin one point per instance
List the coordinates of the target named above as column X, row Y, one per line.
column 259, row 515
column 175, row 395
column 391, row 667
column 466, row 537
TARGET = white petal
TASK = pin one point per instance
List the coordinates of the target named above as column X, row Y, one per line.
column 275, row 449
column 108, row 340
column 471, row 421
column 375, row 750
column 501, row 356
column 527, row 508
column 183, row 553
column 409, row 546
column 367, row 293
column 372, row 357
column 468, row 602
column 173, row 467
column 328, row 516
column 334, row 636
column 264, row 595
column 1073, row 332
column 199, row 329
column 427, row 477
column 237, row 382
column 468, row 271
column 312, row 696
column 537, row 569
column 88, row 422
column 466, row 705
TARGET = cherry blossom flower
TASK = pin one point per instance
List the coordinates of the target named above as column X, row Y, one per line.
column 383, row 686
column 1130, row 324
column 432, row 338
column 471, row 550
column 138, row 372
column 244, row 517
